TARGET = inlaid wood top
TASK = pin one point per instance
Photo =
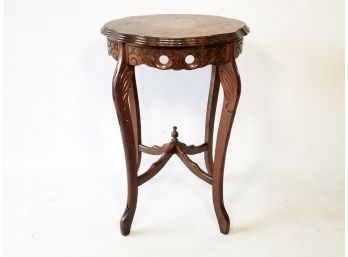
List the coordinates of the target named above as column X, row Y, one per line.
column 175, row 30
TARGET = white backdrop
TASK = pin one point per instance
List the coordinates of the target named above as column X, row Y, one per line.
column 65, row 179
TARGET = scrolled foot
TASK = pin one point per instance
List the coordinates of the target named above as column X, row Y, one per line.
column 224, row 224
column 126, row 222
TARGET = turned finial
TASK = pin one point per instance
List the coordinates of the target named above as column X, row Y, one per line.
column 175, row 133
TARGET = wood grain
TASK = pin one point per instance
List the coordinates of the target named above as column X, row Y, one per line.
column 175, row 30
column 210, row 117
column 230, row 82
column 177, row 56
column 121, row 85
column 210, row 40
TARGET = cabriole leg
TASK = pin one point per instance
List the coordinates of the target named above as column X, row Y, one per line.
column 125, row 100
column 210, row 118
column 230, row 82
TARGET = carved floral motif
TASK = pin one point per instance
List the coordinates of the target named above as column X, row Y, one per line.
column 238, row 48
column 202, row 56
column 113, row 48
column 230, row 83
column 176, row 56
column 121, row 86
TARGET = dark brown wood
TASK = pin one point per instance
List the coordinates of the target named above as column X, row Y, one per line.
column 175, row 30
column 210, row 118
column 193, row 166
column 121, row 84
column 202, row 56
column 208, row 40
column 154, row 150
column 230, row 82
column 192, row 149
column 177, row 59
column 177, row 56
column 158, row 165
column 167, row 151
column 135, row 116
column 188, row 149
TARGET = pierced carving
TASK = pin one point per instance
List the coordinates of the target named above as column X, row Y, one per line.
column 177, row 56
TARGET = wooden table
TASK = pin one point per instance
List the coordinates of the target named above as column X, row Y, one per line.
column 176, row 41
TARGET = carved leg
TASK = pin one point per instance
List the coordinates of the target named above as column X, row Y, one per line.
column 230, row 82
column 121, row 86
column 210, row 118
column 135, row 115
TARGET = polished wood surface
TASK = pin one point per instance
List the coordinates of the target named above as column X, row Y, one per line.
column 175, row 30
column 143, row 41
column 177, row 57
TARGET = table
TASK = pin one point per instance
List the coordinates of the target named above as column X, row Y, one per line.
column 175, row 41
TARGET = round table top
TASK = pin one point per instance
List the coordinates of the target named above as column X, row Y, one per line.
column 175, row 30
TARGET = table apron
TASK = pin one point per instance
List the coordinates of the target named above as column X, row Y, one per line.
column 202, row 56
